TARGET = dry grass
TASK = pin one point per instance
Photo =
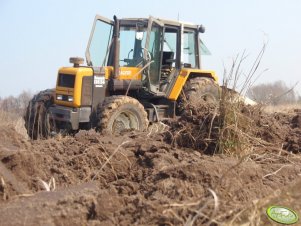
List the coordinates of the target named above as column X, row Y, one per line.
column 6, row 119
column 235, row 125
column 14, row 121
column 284, row 108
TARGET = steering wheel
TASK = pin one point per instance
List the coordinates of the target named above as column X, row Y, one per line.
column 149, row 54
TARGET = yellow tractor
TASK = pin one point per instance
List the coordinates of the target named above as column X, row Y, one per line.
column 138, row 72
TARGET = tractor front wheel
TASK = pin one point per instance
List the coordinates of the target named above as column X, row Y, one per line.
column 119, row 113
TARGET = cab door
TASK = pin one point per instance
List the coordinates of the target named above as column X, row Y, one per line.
column 153, row 52
column 99, row 42
column 97, row 55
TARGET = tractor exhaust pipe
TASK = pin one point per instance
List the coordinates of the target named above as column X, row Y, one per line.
column 116, row 47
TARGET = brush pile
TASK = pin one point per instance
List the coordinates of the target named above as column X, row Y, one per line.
column 235, row 129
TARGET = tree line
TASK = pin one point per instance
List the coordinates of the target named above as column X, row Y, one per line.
column 16, row 104
column 274, row 93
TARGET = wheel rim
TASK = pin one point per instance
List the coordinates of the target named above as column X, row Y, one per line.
column 124, row 121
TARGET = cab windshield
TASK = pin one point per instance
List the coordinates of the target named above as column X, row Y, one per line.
column 131, row 46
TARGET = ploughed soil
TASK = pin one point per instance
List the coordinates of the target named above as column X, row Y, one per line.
column 172, row 178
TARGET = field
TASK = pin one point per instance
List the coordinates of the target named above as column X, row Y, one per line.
column 205, row 169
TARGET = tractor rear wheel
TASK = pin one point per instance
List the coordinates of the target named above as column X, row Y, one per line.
column 201, row 90
column 37, row 122
column 119, row 113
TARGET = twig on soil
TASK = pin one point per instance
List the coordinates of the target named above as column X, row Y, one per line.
column 2, row 182
column 174, row 214
column 274, row 173
column 3, row 188
column 127, row 159
column 237, row 215
column 112, row 167
column 231, row 168
column 216, row 204
column 90, row 174
column 85, row 152
column 110, row 157
column 25, row 195
column 159, row 127
column 50, row 186
column 270, row 157
column 191, row 219
column 182, row 204
column 211, row 123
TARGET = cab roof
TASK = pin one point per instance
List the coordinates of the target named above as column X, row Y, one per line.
column 164, row 21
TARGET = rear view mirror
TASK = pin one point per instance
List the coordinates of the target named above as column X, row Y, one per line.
column 139, row 35
column 202, row 29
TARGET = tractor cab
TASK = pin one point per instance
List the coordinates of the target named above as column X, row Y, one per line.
column 149, row 52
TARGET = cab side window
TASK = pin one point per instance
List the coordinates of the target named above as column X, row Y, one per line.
column 189, row 49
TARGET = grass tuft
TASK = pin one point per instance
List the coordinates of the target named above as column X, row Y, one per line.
column 236, row 118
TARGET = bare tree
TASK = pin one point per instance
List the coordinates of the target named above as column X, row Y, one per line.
column 24, row 98
column 9, row 104
column 16, row 104
column 273, row 93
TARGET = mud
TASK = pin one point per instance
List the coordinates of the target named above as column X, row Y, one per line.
column 143, row 179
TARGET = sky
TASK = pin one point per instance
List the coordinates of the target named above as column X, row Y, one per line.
column 38, row 37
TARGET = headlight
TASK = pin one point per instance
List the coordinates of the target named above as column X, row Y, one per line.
column 70, row 98
column 59, row 97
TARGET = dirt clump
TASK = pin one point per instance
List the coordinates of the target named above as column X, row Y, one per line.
column 211, row 130
column 197, row 128
column 293, row 138
column 281, row 129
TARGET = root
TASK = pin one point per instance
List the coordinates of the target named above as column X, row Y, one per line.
column 109, row 159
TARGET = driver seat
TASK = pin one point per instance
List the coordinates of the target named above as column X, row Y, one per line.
column 167, row 61
column 167, row 58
